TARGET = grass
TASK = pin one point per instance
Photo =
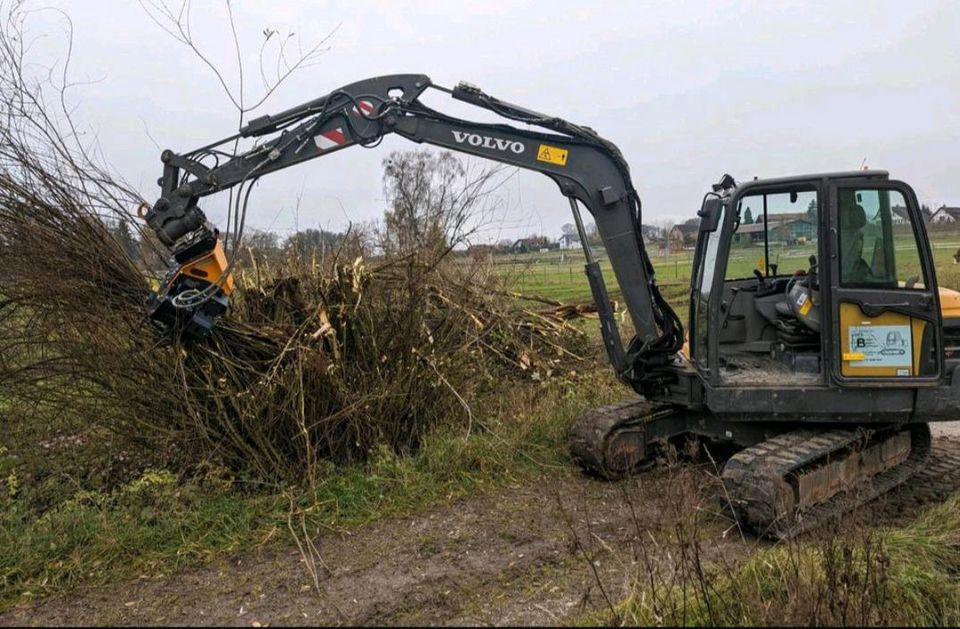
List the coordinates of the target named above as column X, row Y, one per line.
column 158, row 523
column 892, row 577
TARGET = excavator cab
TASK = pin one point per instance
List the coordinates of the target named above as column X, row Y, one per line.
column 816, row 344
column 800, row 282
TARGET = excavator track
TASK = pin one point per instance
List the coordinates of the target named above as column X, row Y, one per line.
column 801, row 479
column 609, row 440
column 935, row 481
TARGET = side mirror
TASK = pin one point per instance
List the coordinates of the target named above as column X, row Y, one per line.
column 710, row 213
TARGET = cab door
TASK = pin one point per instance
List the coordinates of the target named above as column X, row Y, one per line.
column 886, row 315
column 704, row 285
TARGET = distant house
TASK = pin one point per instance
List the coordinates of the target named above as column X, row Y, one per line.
column 683, row 235
column 784, row 217
column 753, row 231
column 787, row 228
column 521, row 245
column 528, row 245
column 570, row 241
column 899, row 215
column 652, row 234
column 946, row 215
column 791, row 232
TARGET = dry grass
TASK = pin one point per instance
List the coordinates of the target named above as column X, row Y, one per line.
column 848, row 576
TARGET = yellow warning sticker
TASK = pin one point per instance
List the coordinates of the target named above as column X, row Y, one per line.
column 552, row 155
column 805, row 308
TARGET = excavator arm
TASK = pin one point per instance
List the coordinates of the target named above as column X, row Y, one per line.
column 587, row 168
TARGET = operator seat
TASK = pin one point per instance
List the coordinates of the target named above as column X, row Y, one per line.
column 783, row 309
column 853, row 268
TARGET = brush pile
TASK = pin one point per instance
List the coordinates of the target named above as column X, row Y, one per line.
column 316, row 361
column 321, row 362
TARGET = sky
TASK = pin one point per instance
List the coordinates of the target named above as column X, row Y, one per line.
column 687, row 90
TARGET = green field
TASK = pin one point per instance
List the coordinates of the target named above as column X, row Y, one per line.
column 559, row 275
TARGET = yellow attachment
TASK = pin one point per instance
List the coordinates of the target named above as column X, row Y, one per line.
column 210, row 267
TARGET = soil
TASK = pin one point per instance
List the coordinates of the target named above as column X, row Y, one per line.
column 541, row 553
column 521, row 556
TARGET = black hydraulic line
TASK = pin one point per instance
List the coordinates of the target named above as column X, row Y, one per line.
column 608, row 323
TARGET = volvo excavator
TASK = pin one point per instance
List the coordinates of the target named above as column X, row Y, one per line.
column 819, row 346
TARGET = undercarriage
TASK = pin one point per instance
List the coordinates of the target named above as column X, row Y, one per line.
column 784, row 480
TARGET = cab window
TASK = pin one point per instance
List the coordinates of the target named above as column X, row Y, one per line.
column 776, row 234
column 878, row 247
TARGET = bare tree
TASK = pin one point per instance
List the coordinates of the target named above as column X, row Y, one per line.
column 120, row 230
column 262, row 240
column 262, row 247
column 593, row 235
column 435, row 200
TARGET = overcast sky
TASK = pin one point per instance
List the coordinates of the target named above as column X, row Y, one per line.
column 688, row 90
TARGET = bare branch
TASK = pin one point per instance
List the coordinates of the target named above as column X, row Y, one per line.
column 178, row 25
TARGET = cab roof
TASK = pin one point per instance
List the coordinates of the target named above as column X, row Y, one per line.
column 882, row 175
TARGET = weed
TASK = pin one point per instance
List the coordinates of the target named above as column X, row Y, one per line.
column 888, row 577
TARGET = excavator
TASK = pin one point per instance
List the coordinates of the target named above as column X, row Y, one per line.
column 821, row 377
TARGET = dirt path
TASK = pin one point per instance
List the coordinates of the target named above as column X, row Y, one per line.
column 507, row 558
column 514, row 557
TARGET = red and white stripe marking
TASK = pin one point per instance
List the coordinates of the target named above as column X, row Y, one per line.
column 335, row 137
column 330, row 139
column 365, row 106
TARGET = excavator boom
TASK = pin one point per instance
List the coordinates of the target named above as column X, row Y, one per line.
column 588, row 169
